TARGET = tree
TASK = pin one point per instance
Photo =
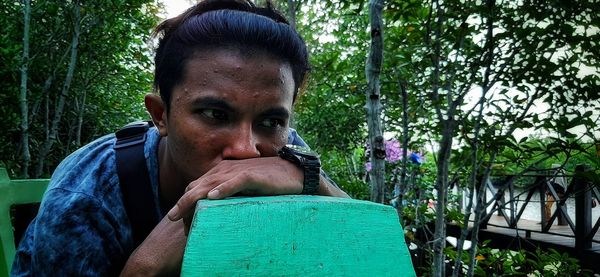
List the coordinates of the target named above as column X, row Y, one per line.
column 486, row 52
column 335, row 87
column 25, row 156
column 373, row 106
column 478, row 78
column 110, row 71
column 56, row 120
column 292, row 6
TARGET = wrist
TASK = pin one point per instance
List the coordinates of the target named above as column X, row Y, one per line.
column 308, row 162
column 139, row 265
column 326, row 188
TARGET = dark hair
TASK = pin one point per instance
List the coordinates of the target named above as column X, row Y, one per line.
column 220, row 24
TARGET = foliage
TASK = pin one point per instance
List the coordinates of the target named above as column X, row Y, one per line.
column 504, row 86
column 112, row 72
column 485, row 80
column 506, row 262
column 330, row 113
column 347, row 171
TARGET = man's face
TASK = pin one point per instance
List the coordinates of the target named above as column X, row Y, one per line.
column 228, row 106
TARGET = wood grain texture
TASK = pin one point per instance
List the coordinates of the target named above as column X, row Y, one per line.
column 295, row 235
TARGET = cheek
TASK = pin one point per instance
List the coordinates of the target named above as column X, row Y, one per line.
column 283, row 138
column 188, row 144
column 195, row 153
column 182, row 149
column 275, row 143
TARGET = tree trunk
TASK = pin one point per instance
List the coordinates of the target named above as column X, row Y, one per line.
column 472, row 181
column 25, row 155
column 480, row 208
column 402, row 185
column 292, row 13
column 448, row 124
column 68, row 127
column 480, row 212
column 80, row 120
column 46, row 115
column 45, row 90
column 441, row 186
column 53, row 132
column 373, row 106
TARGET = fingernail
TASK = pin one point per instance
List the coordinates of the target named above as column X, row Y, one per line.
column 213, row 194
column 173, row 214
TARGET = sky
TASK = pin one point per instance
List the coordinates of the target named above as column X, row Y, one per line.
column 175, row 7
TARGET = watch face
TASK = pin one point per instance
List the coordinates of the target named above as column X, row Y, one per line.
column 300, row 150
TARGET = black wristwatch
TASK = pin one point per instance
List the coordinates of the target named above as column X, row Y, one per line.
column 308, row 161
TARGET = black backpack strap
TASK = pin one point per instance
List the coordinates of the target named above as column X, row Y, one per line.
column 134, row 179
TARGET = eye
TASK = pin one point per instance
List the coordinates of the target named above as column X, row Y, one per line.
column 214, row 114
column 272, row 123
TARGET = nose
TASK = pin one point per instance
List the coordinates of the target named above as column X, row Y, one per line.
column 243, row 144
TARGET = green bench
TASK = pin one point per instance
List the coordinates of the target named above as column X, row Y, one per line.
column 265, row 236
column 14, row 192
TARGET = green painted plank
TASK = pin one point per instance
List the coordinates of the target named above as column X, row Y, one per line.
column 14, row 192
column 295, row 235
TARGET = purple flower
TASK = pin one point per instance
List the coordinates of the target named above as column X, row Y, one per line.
column 393, row 151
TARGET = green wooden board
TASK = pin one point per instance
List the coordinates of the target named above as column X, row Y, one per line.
column 295, row 235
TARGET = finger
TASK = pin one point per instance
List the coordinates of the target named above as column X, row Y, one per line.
column 230, row 187
column 185, row 205
column 200, row 182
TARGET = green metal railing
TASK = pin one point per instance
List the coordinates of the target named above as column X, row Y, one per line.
column 14, row 192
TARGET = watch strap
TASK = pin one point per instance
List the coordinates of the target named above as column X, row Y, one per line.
column 312, row 172
column 310, row 165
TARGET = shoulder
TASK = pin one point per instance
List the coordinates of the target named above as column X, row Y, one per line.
column 86, row 168
column 92, row 169
column 84, row 184
column 82, row 215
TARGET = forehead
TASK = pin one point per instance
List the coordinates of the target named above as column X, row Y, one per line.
column 231, row 62
column 224, row 71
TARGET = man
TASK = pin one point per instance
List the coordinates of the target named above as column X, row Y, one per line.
column 228, row 73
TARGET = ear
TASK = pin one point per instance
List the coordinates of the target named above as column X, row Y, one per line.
column 158, row 112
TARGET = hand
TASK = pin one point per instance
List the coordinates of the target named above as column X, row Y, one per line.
column 259, row 176
column 161, row 253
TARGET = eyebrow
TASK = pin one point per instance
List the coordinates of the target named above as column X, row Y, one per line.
column 277, row 112
column 214, row 102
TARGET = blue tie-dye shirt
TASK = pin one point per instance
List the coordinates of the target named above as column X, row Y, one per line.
column 82, row 228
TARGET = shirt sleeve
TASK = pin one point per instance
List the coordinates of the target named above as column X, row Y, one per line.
column 295, row 139
column 73, row 235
